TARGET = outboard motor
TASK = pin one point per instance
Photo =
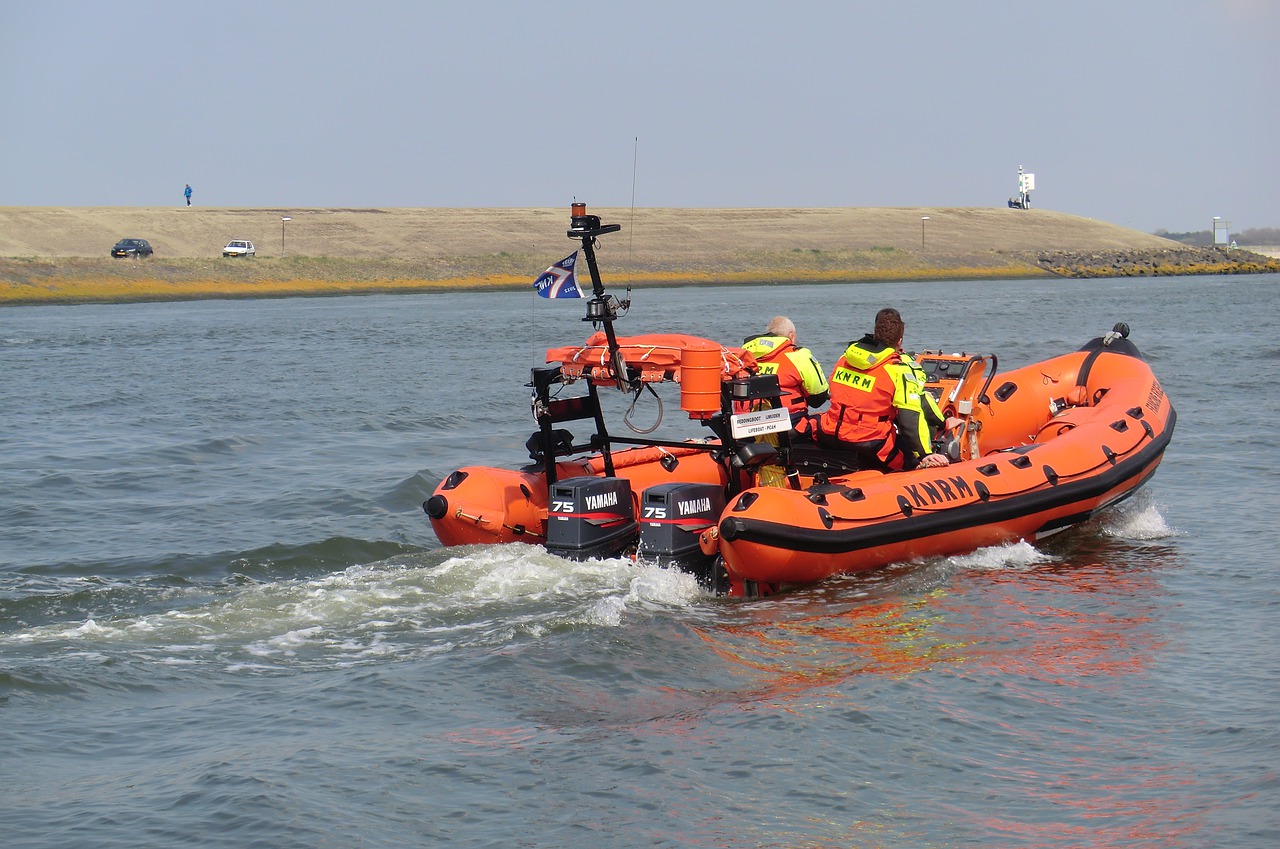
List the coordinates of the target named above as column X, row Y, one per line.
column 590, row 517
column 672, row 517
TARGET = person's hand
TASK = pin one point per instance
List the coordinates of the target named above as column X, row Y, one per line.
column 953, row 423
column 934, row 460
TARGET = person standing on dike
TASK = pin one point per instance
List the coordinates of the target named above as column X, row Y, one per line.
column 800, row 376
column 186, row 193
column 876, row 411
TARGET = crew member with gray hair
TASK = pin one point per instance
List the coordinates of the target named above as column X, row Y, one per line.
column 799, row 374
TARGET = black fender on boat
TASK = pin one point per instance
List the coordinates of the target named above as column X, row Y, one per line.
column 1115, row 341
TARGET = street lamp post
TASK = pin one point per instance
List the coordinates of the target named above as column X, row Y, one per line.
column 283, row 219
column 923, row 218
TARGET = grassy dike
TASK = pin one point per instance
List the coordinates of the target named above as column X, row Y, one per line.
column 59, row 255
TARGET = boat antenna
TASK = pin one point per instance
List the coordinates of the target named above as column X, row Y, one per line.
column 602, row 308
column 631, row 232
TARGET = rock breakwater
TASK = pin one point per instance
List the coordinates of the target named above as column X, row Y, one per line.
column 1155, row 263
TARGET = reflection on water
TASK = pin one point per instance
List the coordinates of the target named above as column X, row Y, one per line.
column 1053, row 658
column 1038, row 662
column 790, row 656
column 1068, row 623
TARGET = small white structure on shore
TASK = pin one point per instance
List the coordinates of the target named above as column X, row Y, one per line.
column 1221, row 231
column 1026, row 184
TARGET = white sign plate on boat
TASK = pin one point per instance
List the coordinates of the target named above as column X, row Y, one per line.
column 742, row 425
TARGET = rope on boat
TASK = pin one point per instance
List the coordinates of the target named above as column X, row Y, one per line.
column 635, row 398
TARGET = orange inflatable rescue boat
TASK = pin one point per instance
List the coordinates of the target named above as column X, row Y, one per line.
column 751, row 512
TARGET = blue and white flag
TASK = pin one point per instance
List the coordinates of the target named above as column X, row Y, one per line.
column 558, row 280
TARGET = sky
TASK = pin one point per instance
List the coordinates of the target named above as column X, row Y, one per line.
column 1150, row 114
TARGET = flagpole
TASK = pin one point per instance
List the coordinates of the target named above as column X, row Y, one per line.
column 631, row 236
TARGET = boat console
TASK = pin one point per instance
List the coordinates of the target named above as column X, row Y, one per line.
column 958, row 382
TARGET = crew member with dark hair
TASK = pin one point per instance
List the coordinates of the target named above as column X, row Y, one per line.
column 876, row 408
column 799, row 373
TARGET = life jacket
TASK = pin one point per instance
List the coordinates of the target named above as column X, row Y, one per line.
column 778, row 355
column 932, row 420
column 862, row 392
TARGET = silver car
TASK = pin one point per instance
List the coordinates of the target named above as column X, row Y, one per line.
column 239, row 247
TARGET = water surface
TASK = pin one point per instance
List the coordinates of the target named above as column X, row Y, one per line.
column 224, row 620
